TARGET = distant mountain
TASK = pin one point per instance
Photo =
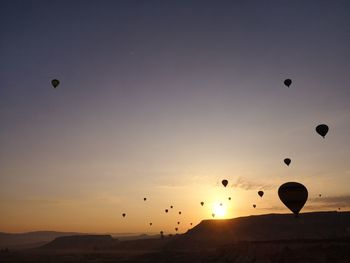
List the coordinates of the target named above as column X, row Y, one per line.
column 316, row 225
column 82, row 242
column 29, row 239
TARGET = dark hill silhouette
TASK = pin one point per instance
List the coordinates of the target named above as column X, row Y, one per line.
column 82, row 242
column 316, row 225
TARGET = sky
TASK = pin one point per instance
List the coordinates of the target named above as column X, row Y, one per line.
column 164, row 99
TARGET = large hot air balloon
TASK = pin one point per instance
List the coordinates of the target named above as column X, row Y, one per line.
column 287, row 161
column 287, row 82
column 55, row 83
column 202, row 203
column 322, row 130
column 123, row 214
column 293, row 195
column 261, row 193
column 224, row 182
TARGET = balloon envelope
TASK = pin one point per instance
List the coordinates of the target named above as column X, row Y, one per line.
column 287, row 161
column 287, row 82
column 166, row 210
column 254, row 206
column 261, row 193
column 202, row 203
column 293, row 195
column 224, row 182
column 229, row 198
column 123, row 214
column 179, row 212
column 55, row 83
column 322, row 129
column 144, row 199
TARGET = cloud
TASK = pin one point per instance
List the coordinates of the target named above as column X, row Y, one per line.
column 245, row 184
column 330, row 201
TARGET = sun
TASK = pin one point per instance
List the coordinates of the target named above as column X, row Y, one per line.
column 219, row 210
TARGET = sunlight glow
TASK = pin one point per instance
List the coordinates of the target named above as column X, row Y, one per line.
column 219, row 210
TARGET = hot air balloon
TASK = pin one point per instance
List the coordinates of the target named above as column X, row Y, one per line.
column 254, row 206
column 191, row 224
column 161, row 234
column 179, row 212
column 293, row 195
column 55, row 83
column 229, row 198
column 171, row 207
column 202, row 203
column 319, row 195
column 144, row 199
column 287, row 82
column 123, row 214
column 220, row 204
column 150, row 224
column 287, row 161
column 224, row 182
column 178, row 223
column 322, row 130
column 176, row 229
column 166, row 210
column 261, row 193
column 213, row 215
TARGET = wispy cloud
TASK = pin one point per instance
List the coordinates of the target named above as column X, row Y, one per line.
column 246, row 184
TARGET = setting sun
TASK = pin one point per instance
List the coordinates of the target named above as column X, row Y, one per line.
column 219, row 210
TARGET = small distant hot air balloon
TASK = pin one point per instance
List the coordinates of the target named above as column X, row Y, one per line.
column 254, row 205
column 55, row 83
column 319, row 195
column 293, row 195
column 178, row 222
column 322, row 130
column 123, row 214
column 224, row 182
column 220, row 204
column 229, row 198
column 287, row 161
column 261, row 193
column 213, row 215
column 166, row 210
column 179, row 212
column 144, row 199
column 176, row 229
column 171, row 207
column 161, row 234
column 287, row 82
column 150, row 224
column 191, row 224
column 202, row 203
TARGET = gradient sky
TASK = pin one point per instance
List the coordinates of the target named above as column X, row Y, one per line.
column 164, row 99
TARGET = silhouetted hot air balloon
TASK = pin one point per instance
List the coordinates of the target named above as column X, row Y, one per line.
column 319, row 195
column 202, row 203
column 254, row 205
column 229, row 198
column 171, row 207
column 224, row 182
column 55, row 83
column 161, row 234
column 322, row 130
column 287, row 161
column 144, row 199
column 293, row 195
column 220, row 204
column 213, row 215
column 287, row 82
column 123, row 214
column 179, row 212
column 166, row 210
column 191, row 224
column 261, row 193
column 176, row 229
column 150, row 224
column 178, row 223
